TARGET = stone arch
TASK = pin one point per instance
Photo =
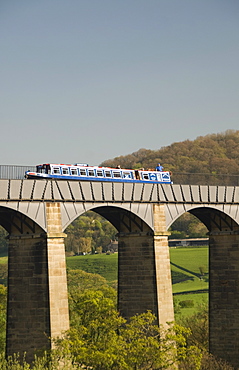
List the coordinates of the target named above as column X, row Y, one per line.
column 223, row 231
column 122, row 219
column 144, row 279
column 142, row 211
column 16, row 222
column 215, row 219
column 135, row 248
column 211, row 216
column 37, row 290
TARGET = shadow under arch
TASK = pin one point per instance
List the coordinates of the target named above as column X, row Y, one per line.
column 17, row 223
column 214, row 219
column 144, row 281
column 117, row 214
column 223, row 232
column 123, row 220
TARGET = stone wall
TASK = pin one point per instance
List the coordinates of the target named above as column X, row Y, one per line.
column 37, row 287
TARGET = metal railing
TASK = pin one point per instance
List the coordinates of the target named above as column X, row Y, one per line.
column 18, row 172
column 205, row 179
column 14, row 172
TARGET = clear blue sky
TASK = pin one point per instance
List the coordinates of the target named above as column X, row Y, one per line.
column 89, row 80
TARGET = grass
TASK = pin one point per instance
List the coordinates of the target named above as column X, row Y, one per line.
column 3, row 260
column 185, row 264
column 190, row 259
column 185, row 268
column 102, row 264
column 197, row 298
column 187, row 278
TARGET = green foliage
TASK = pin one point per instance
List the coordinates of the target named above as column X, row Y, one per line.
column 216, row 153
column 202, row 270
column 3, row 273
column 187, row 303
column 3, row 241
column 88, row 233
column 93, row 337
column 187, row 226
column 100, row 339
column 102, row 264
column 209, row 362
column 3, row 306
column 51, row 361
column 199, row 327
column 175, row 234
column 81, row 283
column 80, row 280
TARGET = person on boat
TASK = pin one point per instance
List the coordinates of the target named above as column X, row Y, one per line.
column 159, row 167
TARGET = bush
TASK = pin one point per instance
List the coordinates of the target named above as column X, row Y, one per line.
column 210, row 362
column 188, row 303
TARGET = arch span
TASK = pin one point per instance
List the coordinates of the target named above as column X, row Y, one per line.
column 32, row 210
column 122, row 219
column 138, row 216
column 18, row 223
column 223, row 231
column 212, row 216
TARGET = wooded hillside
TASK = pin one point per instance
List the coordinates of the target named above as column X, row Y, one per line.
column 214, row 154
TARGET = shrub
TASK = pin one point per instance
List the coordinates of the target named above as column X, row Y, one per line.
column 188, row 303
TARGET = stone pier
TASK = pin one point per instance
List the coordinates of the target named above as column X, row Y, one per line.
column 144, row 275
column 37, row 288
column 224, row 295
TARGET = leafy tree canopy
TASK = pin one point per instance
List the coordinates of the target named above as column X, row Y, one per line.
column 215, row 153
column 89, row 233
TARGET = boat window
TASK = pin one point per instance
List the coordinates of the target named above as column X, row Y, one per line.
column 65, row 171
column 116, row 174
column 100, row 173
column 153, row 176
column 47, row 168
column 91, row 173
column 145, row 176
column 40, row 169
column 107, row 173
column 56, row 171
column 74, row 172
column 166, row 176
column 82, row 172
column 127, row 175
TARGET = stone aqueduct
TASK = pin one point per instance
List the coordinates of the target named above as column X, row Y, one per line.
column 36, row 212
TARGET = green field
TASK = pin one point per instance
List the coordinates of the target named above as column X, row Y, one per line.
column 102, row 264
column 188, row 284
column 185, row 266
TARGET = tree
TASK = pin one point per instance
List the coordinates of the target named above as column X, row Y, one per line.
column 216, row 153
column 3, row 240
column 199, row 327
column 89, row 232
column 100, row 339
column 188, row 226
column 3, row 305
column 93, row 340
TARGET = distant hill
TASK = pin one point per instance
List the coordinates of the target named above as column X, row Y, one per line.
column 213, row 154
